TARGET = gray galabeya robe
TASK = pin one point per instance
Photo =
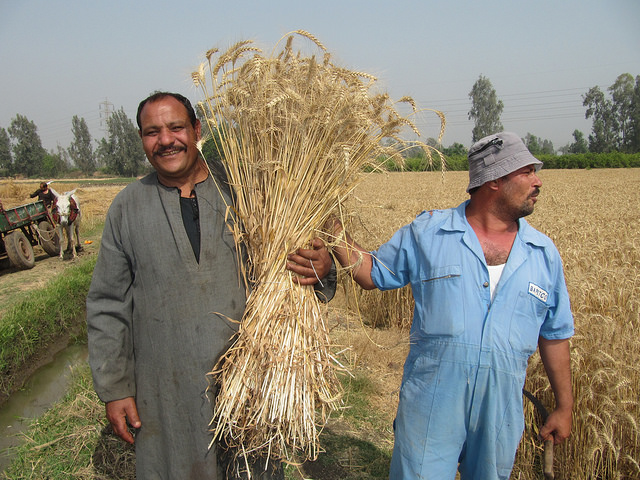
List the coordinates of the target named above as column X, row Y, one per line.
column 158, row 321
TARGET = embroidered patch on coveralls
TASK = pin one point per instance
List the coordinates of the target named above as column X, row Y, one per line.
column 538, row 292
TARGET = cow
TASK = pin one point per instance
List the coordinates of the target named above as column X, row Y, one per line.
column 67, row 215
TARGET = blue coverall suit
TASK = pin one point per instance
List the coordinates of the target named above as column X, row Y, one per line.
column 461, row 393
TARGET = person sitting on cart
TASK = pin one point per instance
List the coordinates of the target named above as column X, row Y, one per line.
column 44, row 194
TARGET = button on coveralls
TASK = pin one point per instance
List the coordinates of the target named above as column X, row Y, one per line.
column 461, row 392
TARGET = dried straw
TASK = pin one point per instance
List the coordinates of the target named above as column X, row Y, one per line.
column 295, row 134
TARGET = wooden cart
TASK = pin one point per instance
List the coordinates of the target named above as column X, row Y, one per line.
column 23, row 227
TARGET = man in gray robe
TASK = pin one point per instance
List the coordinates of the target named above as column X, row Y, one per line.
column 164, row 289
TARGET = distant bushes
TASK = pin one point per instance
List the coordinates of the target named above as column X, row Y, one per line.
column 421, row 164
column 457, row 163
column 575, row 160
column 591, row 160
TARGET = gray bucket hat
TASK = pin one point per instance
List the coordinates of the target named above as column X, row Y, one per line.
column 497, row 155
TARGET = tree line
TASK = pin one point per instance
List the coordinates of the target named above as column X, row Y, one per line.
column 615, row 128
column 615, row 118
column 119, row 154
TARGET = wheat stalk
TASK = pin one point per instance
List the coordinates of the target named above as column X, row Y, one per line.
column 295, row 135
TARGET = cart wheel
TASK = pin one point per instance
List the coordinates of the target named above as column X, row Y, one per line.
column 49, row 238
column 19, row 250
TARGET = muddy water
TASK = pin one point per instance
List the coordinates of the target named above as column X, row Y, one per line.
column 45, row 387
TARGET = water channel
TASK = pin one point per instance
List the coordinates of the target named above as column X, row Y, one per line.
column 45, row 387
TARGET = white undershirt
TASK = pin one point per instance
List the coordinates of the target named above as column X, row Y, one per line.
column 495, row 272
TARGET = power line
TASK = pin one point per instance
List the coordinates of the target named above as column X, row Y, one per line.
column 106, row 109
column 528, row 108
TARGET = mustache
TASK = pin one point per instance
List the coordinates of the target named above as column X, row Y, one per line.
column 172, row 148
column 535, row 192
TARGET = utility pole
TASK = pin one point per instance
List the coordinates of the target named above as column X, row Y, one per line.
column 106, row 109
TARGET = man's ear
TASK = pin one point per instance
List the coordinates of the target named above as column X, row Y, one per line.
column 198, row 130
column 494, row 184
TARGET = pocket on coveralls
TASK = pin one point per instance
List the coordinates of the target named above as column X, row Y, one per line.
column 441, row 301
column 528, row 315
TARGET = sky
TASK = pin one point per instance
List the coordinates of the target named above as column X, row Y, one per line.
column 87, row 58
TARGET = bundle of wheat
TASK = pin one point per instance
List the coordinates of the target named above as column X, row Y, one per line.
column 295, row 135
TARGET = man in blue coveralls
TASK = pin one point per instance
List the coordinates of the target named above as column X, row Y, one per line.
column 488, row 289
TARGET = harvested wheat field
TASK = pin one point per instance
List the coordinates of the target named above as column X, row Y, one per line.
column 593, row 217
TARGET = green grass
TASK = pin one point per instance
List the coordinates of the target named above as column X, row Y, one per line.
column 41, row 316
column 353, row 458
column 352, row 450
column 69, row 441
column 92, row 228
column 357, row 392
